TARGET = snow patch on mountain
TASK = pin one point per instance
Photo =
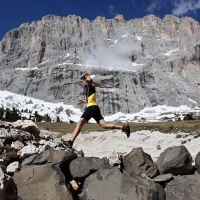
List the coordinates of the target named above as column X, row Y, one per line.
column 63, row 111
column 69, row 112
column 169, row 53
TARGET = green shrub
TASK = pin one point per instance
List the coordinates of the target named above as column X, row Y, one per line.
column 188, row 117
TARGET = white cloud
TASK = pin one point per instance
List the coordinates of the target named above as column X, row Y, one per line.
column 154, row 5
column 151, row 7
column 117, row 56
column 112, row 10
column 133, row 3
column 184, row 6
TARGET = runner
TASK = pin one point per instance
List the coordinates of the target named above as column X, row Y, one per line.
column 92, row 111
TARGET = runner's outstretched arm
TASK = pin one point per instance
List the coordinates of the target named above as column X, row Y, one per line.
column 95, row 84
column 82, row 100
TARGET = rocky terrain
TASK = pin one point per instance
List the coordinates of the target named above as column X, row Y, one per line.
column 139, row 63
column 34, row 164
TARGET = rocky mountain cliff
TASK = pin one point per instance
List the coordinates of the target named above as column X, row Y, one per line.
column 140, row 62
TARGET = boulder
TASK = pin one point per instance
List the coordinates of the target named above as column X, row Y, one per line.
column 41, row 182
column 197, row 162
column 64, row 165
column 175, row 160
column 17, row 145
column 3, row 133
column 28, row 160
column 28, row 150
column 110, row 183
column 9, row 156
column 6, row 125
column 1, row 144
column 82, row 167
column 163, row 178
column 46, row 134
column 3, row 167
column 17, row 135
column 13, row 167
column 49, row 156
column 115, row 158
column 47, row 143
column 7, row 187
column 183, row 188
column 140, row 163
column 53, row 143
column 28, row 126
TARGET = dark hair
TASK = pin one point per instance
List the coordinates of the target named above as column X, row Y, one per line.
column 83, row 78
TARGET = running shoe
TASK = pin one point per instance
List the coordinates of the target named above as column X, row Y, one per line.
column 126, row 129
column 68, row 143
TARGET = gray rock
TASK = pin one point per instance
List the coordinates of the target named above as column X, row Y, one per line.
column 28, row 150
column 140, row 163
column 109, row 183
column 49, row 156
column 3, row 133
column 3, row 167
column 15, row 134
column 27, row 126
column 82, row 167
column 5, row 125
column 10, row 156
column 13, row 167
column 1, row 144
column 64, row 165
column 17, row 145
column 183, row 188
column 7, row 189
column 175, row 160
column 39, row 182
column 28, row 160
column 197, row 162
column 165, row 53
column 163, row 178
column 46, row 134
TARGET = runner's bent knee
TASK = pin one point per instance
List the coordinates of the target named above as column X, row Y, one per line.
column 102, row 124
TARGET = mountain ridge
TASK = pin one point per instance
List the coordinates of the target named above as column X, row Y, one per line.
column 139, row 63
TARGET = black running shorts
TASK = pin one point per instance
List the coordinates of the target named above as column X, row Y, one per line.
column 92, row 112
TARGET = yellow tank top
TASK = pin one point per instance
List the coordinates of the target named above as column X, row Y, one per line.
column 91, row 95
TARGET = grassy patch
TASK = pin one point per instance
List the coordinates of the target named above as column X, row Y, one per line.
column 190, row 126
column 67, row 128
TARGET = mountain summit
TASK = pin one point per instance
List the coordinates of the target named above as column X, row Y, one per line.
column 139, row 63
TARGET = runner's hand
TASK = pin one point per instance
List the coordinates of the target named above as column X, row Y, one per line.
column 80, row 99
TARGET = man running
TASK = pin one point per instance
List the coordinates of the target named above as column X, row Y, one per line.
column 92, row 111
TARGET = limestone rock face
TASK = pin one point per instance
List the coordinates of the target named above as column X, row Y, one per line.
column 140, row 62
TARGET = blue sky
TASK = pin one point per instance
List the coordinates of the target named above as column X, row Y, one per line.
column 15, row 12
